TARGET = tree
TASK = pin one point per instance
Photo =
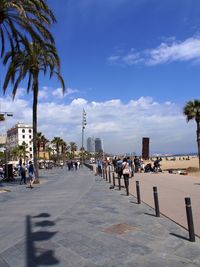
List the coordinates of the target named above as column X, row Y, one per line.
column 73, row 148
column 192, row 111
column 58, row 143
column 34, row 59
column 41, row 142
column 32, row 17
column 24, row 147
column 49, row 150
column 20, row 151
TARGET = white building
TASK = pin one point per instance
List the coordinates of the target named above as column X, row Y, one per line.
column 18, row 134
column 2, row 143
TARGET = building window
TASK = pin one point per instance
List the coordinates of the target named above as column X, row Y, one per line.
column 23, row 130
column 30, row 143
column 23, row 136
column 30, row 136
column 30, row 148
column 31, row 156
column 29, row 130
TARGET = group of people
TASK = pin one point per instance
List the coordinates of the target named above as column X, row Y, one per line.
column 73, row 165
column 26, row 171
column 137, row 165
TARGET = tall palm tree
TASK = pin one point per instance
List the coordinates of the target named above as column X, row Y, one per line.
column 34, row 59
column 41, row 142
column 58, row 143
column 33, row 17
column 39, row 136
column 24, row 147
column 192, row 111
column 49, row 150
column 73, row 147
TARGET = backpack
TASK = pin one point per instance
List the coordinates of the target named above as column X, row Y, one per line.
column 119, row 167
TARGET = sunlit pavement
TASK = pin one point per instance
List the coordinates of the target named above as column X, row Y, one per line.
column 172, row 191
column 74, row 219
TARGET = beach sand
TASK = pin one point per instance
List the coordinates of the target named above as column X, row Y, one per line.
column 180, row 163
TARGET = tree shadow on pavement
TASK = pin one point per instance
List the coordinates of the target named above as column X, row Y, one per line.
column 37, row 251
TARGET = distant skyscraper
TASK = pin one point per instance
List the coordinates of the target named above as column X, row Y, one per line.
column 90, row 144
column 98, row 145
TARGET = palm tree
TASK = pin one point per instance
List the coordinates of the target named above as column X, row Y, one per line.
column 58, row 143
column 30, row 16
column 73, row 147
column 49, row 150
column 192, row 111
column 24, row 147
column 38, row 141
column 20, row 151
column 41, row 142
column 31, row 61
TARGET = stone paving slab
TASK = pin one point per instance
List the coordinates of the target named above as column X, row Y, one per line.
column 74, row 219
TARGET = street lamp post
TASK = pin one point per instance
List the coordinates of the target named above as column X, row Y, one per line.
column 83, row 128
column 3, row 116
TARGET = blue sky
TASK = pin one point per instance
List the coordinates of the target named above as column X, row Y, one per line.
column 132, row 65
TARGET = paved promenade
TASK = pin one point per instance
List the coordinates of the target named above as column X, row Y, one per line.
column 73, row 219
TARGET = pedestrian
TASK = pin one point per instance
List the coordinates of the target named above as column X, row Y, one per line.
column 136, row 164
column 126, row 174
column 99, row 167
column 76, row 165
column 1, row 172
column 31, row 174
column 19, row 169
column 118, row 168
column 23, row 173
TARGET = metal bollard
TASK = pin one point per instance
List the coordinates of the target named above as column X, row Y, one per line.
column 155, row 194
column 190, row 219
column 126, row 183
column 109, row 175
column 119, row 182
column 113, row 179
column 138, row 192
column 103, row 173
column 106, row 174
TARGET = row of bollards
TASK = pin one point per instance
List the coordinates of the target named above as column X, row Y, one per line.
column 107, row 177
column 157, row 210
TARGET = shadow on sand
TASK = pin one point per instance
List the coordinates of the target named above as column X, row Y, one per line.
column 38, row 253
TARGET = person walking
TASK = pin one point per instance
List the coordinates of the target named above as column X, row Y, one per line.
column 23, row 173
column 99, row 167
column 126, row 173
column 31, row 174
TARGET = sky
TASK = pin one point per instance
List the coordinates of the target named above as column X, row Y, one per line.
column 131, row 65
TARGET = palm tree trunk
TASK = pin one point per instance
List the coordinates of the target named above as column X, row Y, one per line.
column 198, row 140
column 35, row 101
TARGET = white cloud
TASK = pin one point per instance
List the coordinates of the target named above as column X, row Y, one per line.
column 58, row 93
column 175, row 51
column 47, row 93
column 168, row 51
column 120, row 125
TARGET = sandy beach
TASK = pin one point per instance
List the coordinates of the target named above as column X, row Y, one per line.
column 180, row 163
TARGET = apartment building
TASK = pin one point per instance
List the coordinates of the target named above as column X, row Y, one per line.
column 18, row 134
